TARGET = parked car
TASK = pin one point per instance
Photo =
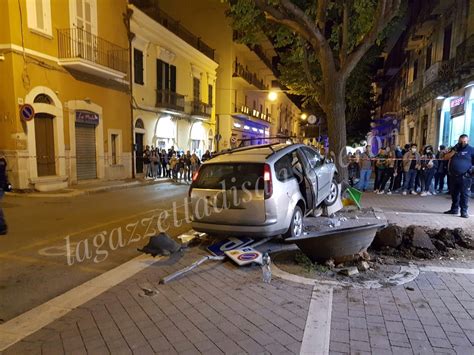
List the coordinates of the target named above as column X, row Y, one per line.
column 261, row 191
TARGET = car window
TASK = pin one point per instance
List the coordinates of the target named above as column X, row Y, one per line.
column 228, row 175
column 313, row 157
column 283, row 168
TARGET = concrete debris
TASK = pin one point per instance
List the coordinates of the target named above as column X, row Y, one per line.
column 349, row 271
column 363, row 266
column 330, row 263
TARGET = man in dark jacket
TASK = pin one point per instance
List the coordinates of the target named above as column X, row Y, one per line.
column 460, row 170
column 3, row 183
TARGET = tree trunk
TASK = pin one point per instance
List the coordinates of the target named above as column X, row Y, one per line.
column 335, row 108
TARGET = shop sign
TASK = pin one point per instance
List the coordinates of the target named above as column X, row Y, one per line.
column 87, row 117
column 457, row 106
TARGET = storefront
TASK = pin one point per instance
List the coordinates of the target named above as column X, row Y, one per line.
column 248, row 131
column 86, row 161
column 197, row 139
column 456, row 117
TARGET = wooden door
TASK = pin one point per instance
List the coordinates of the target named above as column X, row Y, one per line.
column 44, row 133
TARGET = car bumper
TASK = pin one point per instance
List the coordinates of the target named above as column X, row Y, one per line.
column 259, row 231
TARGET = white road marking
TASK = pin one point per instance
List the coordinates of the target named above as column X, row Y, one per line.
column 452, row 270
column 33, row 320
column 318, row 324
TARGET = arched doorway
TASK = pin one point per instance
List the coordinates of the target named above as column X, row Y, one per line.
column 139, row 135
column 165, row 132
column 44, row 137
column 197, row 138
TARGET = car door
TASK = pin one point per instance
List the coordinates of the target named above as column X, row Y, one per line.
column 319, row 173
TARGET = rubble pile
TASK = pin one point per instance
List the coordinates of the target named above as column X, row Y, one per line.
column 419, row 241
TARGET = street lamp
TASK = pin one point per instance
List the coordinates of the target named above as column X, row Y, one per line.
column 272, row 96
column 303, row 116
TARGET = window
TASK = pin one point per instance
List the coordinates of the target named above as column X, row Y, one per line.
column 39, row 16
column 114, row 142
column 447, row 42
column 209, row 95
column 429, row 53
column 138, row 66
column 313, row 157
column 165, row 76
column 228, row 175
column 283, row 169
column 196, row 89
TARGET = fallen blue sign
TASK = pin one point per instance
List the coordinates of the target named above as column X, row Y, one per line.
column 224, row 245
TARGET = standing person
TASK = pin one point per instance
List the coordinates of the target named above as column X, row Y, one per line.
column 206, row 156
column 164, row 163
column 173, row 166
column 181, row 166
column 441, row 169
column 411, row 165
column 195, row 162
column 353, row 169
column 365, row 164
column 146, row 162
column 187, row 166
column 381, row 165
column 398, row 168
column 3, row 184
column 153, row 163
column 460, row 170
column 428, row 169
column 389, row 173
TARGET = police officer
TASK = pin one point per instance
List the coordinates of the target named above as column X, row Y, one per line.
column 3, row 184
column 460, row 170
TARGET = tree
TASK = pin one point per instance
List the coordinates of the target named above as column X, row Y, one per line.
column 329, row 38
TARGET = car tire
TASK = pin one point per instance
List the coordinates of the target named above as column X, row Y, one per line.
column 333, row 193
column 295, row 230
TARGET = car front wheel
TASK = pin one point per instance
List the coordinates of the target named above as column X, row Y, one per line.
column 296, row 225
column 333, row 193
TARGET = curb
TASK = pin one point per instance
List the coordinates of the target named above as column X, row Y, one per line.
column 92, row 191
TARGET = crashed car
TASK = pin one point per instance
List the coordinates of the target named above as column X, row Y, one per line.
column 261, row 191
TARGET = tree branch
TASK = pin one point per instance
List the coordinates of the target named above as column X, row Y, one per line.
column 383, row 17
column 321, row 14
column 345, row 34
column 317, row 87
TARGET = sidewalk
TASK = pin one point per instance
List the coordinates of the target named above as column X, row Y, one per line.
column 88, row 188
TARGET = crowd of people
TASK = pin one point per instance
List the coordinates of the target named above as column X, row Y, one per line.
column 170, row 163
column 410, row 171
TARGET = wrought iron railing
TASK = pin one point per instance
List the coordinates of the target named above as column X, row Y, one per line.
column 248, row 76
column 78, row 43
column 465, row 54
column 175, row 26
column 199, row 108
column 254, row 113
column 169, row 99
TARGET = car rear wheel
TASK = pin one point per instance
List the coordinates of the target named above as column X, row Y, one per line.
column 296, row 226
column 333, row 193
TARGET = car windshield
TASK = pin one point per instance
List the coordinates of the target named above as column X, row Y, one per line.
column 227, row 175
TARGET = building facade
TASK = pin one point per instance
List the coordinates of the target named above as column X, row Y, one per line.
column 64, row 110
column 174, row 85
column 245, row 76
column 432, row 92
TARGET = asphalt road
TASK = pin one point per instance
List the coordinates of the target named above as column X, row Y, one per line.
column 55, row 244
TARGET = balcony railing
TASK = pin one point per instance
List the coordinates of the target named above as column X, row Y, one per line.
column 255, row 113
column 432, row 73
column 199, row 108
column 465, row 54
column 175, row 26
column 248, row 76
column 169, row 100
column 78, row 44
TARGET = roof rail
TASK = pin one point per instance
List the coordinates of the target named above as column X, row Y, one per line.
column 243, row 149
column 291, row 138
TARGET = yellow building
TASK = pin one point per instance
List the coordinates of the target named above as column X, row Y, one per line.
column 245, row 77
column 174, row 80
column 65, row 113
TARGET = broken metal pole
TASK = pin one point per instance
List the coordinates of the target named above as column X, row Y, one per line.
column 194, row 265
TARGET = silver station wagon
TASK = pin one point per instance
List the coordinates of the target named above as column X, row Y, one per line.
column 261, row 191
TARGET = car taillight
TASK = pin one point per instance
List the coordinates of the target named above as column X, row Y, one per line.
column 195, row 176
column 267, row 180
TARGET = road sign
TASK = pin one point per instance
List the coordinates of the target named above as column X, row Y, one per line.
column 27, row 112
column 244, row 256
column 224, row 245
column 312, row 119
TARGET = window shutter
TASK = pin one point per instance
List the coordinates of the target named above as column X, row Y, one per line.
column 209, row 95
column 173, row 78
column 159, row 74
column 138, row 66
column 167, row 76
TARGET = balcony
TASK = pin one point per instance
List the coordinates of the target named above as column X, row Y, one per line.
column 465, row 55
column 255, row 113
column 174, row 26
column 251, row 78
column 201, row 109
column 168, row 100
column 83, row 51
column 432, row 73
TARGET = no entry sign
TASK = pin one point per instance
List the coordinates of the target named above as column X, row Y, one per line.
column 27, row 112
